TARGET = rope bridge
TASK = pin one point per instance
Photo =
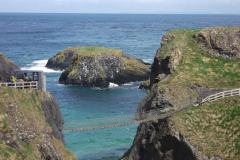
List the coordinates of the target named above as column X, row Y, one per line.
column 141, row 117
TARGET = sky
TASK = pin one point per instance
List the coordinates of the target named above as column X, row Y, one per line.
column 123, row 6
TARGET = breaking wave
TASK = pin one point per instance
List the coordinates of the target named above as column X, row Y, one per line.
column 40, row 65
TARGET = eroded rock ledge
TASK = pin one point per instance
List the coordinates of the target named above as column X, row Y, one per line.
column 97, row 67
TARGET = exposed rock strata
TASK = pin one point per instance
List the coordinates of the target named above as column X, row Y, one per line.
column 221, row 41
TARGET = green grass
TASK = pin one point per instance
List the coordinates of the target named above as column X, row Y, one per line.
column 214, row 128
column 198, row 67
column 238, row 144
column 29, row 111
column 85, row 51
column 131, row 65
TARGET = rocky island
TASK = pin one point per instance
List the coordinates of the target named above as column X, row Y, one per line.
column 190, row 65
column 91, row 66
column 31, row 124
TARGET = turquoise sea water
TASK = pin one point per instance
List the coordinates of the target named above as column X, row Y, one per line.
column 30, row 39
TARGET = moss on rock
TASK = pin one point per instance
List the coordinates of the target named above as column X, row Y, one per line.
column 97, row 66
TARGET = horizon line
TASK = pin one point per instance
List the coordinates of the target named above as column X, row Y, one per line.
column 234, row 14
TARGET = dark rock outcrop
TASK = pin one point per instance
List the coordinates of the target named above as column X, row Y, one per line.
column 221, row 41
column 53, row 115
column 97, row 67
column 7, row 68
column 165, row 64
column 160, row 140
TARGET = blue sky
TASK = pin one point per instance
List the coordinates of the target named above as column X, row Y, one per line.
column 122, row 6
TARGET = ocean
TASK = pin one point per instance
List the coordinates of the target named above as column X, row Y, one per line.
column 30, row 39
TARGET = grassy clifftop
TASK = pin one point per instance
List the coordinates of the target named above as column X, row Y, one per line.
column 30, row 126
column 190, row 65
column 196, row 65
column 213, row 129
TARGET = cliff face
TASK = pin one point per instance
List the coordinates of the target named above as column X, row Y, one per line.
column 183, row 72
column 97, row 67
column 30, row 126
column 7, row 68
column 30, row 123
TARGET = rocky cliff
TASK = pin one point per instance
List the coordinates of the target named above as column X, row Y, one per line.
column 7, row 68
column 183, row 72
column 221, row 41
column 30, row 126
column 97, row 67
column 30, row 123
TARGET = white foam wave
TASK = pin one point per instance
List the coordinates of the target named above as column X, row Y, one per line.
column 148, row 60
column 113, row 85
column 128, row 84
column 39, row 65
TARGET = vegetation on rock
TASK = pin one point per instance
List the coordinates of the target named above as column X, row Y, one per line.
column 213, row 128
column 183, row 72
column 30, row 126
column 97, row 66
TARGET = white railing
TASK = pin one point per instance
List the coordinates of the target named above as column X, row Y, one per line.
column 152, row 115
column 221, row 95
column 20, row 85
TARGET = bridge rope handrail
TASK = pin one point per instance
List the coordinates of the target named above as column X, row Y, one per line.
column 156, row 114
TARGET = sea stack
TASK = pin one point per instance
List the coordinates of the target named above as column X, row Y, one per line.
column 91, row 66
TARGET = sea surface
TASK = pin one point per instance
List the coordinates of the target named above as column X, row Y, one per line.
column 30, row 39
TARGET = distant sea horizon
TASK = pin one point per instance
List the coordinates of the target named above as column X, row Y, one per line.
column 112, row 13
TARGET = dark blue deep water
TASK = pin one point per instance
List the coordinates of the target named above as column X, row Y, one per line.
column 30, row 39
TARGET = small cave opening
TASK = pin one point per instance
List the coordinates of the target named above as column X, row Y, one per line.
column 160, row 67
